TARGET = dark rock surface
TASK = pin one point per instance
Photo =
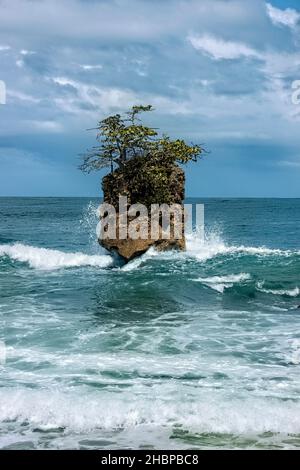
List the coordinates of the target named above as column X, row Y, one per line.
column 144, row 184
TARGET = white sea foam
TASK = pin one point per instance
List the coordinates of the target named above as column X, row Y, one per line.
column 46, row 410
column 288, row 292
column 209, row 248
column 43, row 258
column 213, row 246
column 295, row 354
column 137, row 262
column 220, row 283
column 204, row 250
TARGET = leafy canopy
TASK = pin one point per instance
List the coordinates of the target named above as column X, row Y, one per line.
column 121, row 139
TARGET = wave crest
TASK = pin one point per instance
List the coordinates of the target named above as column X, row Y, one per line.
column 69, row 411
column 295, row 292
column 220, row 283
column 213, row 246
column 46, row 259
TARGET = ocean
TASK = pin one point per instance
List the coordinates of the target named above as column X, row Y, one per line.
column 190, row 350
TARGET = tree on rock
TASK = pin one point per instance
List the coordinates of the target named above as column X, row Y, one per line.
column 123, row 138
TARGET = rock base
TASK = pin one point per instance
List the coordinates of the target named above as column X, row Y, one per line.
column 130, row 249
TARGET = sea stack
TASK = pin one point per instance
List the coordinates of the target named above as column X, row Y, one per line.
column 144, row 191
column 137, row 182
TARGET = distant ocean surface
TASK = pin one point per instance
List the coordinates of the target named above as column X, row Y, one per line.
column 178, row 350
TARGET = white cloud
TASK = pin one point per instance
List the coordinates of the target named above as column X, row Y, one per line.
column 219, row 49
column 140, row 67
column 89, row 98
column 120, row 20
column 91, row 67
column 140, row 73
column 45, row 126
column 32, row 126
column 212, row 91
column 20, row 96
column 289, row 163
column 288, row 17
column 26, row 52
column 20, row 63
column 4, row 48
column 95, row 100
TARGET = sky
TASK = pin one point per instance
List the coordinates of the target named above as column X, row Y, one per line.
column 218, row 73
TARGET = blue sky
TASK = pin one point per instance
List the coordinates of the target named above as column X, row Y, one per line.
column 218, row 72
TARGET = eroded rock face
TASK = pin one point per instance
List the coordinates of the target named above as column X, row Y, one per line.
column 128, row 248
column 139, row 187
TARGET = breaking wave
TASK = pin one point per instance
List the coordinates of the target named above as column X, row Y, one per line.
column 295, row 292
column 213, row 246
column 69, row 411
column 200, row 250
column 220, row 283
column 46, row 259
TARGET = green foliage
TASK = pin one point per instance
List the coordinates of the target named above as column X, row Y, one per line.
column 122, row 139
column 170, row 151
column 143, row 181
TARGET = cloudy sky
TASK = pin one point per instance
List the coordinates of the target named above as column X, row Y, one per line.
column 218, row 72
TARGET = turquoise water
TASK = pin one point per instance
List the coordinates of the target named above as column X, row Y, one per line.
column 179, row 350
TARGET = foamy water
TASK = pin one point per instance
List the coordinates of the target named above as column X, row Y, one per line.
column 43, row 258
column 201, row 250
column 175, row 350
